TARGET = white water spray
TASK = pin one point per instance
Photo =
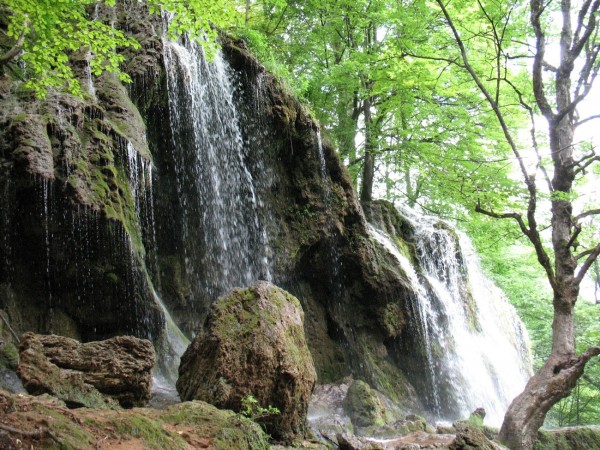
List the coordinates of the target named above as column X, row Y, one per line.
column 476, row 348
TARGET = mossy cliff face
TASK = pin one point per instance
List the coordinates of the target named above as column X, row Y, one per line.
column 74, row 187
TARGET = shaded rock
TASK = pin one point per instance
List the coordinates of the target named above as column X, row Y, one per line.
column 326, row 411
column 411, row 423
column 413, row 441
column 94, row 374
column 475, row 421
column 364, row 406
column 351, row 442
column 253, row 344
column 420, row 440
column 373, row 414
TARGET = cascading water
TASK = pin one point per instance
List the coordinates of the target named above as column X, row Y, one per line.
column 475, row 347
column 424, row 312
column 224, row 242
column 334, row 257
column 172, row 343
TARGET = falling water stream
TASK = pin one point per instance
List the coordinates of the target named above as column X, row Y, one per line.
column 225, row 243
column 475, row 345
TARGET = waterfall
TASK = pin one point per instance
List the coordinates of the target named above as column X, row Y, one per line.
column 475, row 346
column 224, row 242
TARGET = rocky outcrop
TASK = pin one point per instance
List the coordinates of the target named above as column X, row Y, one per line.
column 75, row 188
column 472, row 438
column 96, row 374
column 572, row 438
column 44, row 422
column 89, row 185
column 253, row 345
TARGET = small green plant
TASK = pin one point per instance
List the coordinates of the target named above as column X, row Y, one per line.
column 252, row 409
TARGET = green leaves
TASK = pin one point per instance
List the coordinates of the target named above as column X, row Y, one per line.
column 55, row 30
column 252, row 409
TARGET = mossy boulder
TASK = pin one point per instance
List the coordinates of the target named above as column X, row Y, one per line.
column 364, row 406
column 96, row 374
column 253, row 344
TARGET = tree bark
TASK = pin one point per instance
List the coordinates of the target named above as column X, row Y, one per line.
column 368, row 173
column 553, row 382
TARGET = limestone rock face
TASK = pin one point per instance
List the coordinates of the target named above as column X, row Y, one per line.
column 95, row 374
column 253, row 344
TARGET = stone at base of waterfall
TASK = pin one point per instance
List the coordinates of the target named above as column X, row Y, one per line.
column 475, row 421
column 117, row 371
column 253, row 344
column 373, row 414
column 469, row 437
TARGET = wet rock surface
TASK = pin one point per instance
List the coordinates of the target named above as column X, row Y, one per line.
column 102, row 374
column 253, row 345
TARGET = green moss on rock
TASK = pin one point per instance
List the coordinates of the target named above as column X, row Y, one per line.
column 576, row 438
column 253, row 345
column 182, row 426
column 364, row 406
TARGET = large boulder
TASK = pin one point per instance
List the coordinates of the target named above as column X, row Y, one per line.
column 253, row 345
column 95, row 374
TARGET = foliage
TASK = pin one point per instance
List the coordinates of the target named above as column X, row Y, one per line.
column 252, row 409
column 51, row 31
column 365, row 68
column 48, row 33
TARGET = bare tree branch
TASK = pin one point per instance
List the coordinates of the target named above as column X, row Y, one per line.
column 579, row 44
column 573, row 241
column 591, row 257
column 581, row 18
column 591, row 212
column 14, row 51
column 532, row 235
column 537, row 8
column 587, row 119
column 7, row 323
column 588, row 163
column 37, row 434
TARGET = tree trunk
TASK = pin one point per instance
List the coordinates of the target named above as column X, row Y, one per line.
column 526, row 414
column 559, row 375
column 368, row 173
